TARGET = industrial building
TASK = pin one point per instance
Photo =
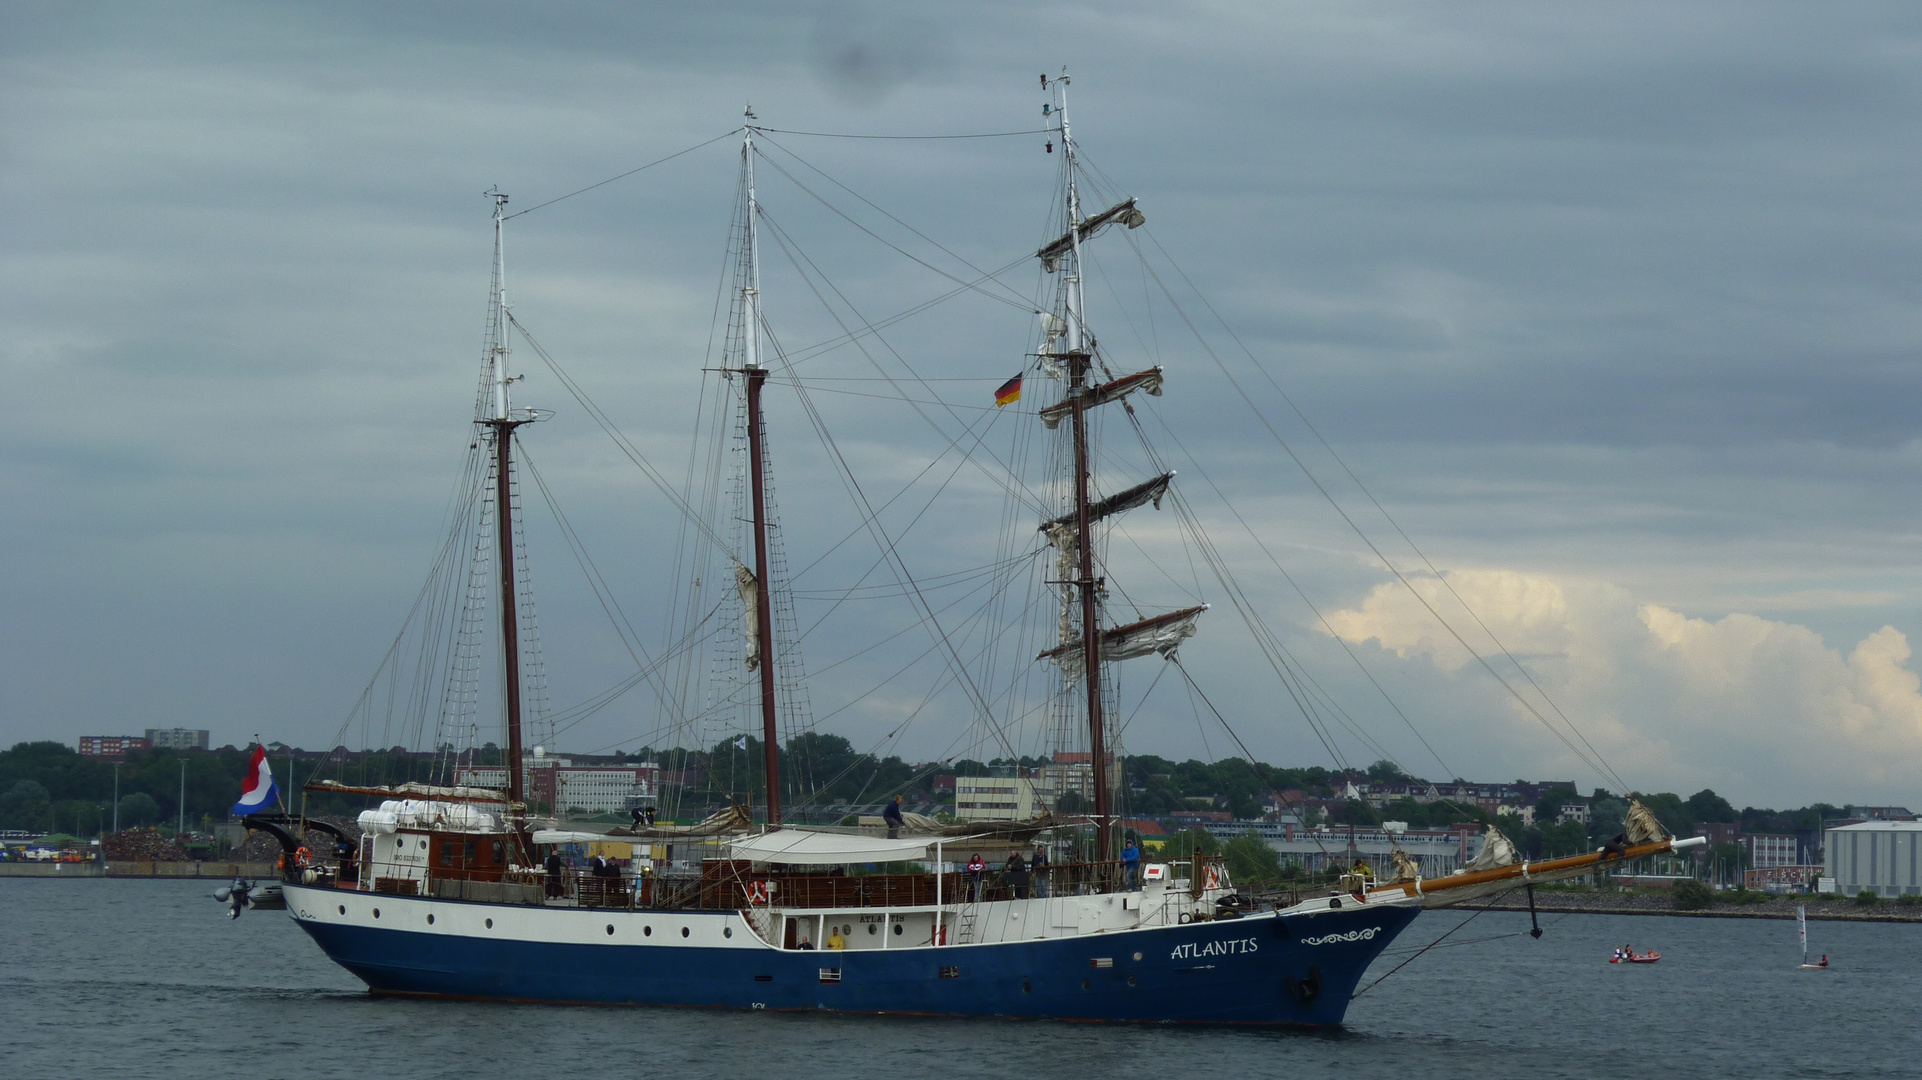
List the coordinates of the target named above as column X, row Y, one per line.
column 1879, row 856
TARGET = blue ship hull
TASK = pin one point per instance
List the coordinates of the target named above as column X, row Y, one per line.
column 1265, row 969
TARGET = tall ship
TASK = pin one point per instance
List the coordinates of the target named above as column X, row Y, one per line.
column 452, row 887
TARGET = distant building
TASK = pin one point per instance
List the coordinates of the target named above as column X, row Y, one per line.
column 1572, row 811
column 1719, row 833
column 1767, row 850
column 1879, row 856
column 565, row 787
column 993, row 798
column 1437, row 851
column 111, row 746
column 178, row 738
column 1071, row 771
column 1881, row 813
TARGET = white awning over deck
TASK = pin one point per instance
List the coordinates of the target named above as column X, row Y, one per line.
column 829, row 849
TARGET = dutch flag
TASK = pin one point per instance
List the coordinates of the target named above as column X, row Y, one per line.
column 257, row 791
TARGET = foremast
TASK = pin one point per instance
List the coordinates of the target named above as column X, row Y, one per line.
column 1074, row 364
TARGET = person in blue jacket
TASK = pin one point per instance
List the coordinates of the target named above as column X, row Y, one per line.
column 891, row 814
column 1131, row 864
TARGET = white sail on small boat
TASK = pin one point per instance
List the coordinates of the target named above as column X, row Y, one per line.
column 1802, row 931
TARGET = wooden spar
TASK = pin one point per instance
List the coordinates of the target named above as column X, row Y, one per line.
column 763, row 611
column 1521, row 871
column 1090, row 605
column 1120, row 633
column 510, row 622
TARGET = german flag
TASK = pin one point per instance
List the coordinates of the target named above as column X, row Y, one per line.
column 1009, row 393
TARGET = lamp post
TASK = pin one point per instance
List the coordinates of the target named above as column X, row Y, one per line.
column 116, row 796
column 181, row 829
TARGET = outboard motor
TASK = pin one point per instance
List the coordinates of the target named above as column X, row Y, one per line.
column 235, row 896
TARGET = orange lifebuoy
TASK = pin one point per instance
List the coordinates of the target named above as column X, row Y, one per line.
column 757, row 892
column 303, row 858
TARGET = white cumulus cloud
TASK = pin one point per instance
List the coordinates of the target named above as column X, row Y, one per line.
column 1761, row 710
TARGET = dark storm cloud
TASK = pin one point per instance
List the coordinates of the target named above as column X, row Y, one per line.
column 1622, row 292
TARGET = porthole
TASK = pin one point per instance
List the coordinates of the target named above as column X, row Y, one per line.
column 343, row 909
column 1027, row 988
column 423, row 845
column 727, row 931
column 647, row 931
column 897, row 928
column 1085, row 984
column 430, row 920
column 1137, row 956
column 1131, row 980
column 683, row 931
column 610, row 929
column 376, row 913
column 490, row 924
column 847, row 928
column 872, row 929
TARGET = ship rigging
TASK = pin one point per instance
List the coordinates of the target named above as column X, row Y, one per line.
column 452, row 885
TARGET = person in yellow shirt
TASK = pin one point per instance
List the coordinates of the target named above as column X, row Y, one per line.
column 836, row 941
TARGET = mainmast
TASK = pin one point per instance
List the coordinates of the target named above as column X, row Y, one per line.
column 497, row 415
column 756, row 375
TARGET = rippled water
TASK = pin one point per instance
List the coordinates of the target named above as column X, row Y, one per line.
column 116, row 978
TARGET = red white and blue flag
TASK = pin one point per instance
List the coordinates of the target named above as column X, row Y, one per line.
column 257, row 791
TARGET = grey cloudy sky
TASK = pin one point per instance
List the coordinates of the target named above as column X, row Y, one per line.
column 1611, row 305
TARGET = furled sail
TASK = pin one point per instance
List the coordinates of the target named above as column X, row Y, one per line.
column 1155, row 634
column 1406, row 868
column 1151, row 490
column 1148, row 381
column 750, row 588
column 1642, row 826
column 1123, row 212
column 733, row 819
column 1496, row 852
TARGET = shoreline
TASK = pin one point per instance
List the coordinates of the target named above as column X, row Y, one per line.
column 189, row 870
column 1839, row 909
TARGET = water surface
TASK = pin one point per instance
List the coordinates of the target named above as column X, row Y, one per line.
column 123, row 978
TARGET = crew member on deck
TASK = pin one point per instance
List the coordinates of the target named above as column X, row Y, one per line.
column 1016, row 873
column 976, row 868
column 835, row 940
column 891, row 813
column 1131, row 864
column 553, row 875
